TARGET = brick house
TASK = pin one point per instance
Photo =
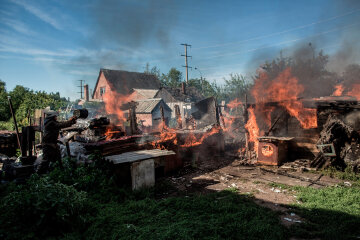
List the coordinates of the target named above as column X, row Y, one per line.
column 125, row 82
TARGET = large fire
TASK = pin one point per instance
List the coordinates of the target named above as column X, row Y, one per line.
column 355, row 91
column 339, row 89
column 252, row 128
column 113, row 103
column 283, row 90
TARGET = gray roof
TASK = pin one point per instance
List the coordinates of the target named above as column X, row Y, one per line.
column 123, row 81
column 148, row 105
column 192, row 94
column 148, row 93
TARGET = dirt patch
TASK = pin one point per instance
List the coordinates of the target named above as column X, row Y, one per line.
column 270, row 186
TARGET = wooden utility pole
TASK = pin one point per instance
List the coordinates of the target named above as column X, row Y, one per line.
column 81, row 88
column 186, row 61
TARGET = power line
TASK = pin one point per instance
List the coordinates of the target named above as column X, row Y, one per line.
column 81, row 88
column 281, row 32
column 186, row 60
column 280, row 43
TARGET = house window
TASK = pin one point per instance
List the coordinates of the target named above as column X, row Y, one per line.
column 102, row 91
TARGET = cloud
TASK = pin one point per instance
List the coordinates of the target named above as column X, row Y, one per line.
column 39, row 13
column 18, row 26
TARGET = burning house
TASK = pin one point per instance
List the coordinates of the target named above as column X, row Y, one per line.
column 282, row 125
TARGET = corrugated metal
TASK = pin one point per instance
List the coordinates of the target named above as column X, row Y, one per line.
column 148, row 93
column 148, row 105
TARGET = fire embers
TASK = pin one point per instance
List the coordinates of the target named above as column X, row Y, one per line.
column 182, row 138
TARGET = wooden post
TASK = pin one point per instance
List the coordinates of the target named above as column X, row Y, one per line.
column 162, row 117
column 132, row 115
column 178, row 116
column 15, row 123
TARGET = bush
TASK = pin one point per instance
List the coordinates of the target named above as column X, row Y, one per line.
column 42, row 208
column 6, row 125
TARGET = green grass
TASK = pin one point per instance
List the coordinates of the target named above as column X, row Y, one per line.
column 224, row 215
column 84, row 203
column 330, row 213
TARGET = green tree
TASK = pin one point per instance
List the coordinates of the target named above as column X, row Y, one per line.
column 236, row 87
column 37, row 100
column 205, row 87
column 4, row 106
column 17, row 95
column 172, row 79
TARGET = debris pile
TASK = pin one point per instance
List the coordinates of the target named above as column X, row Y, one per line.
column 338, row 145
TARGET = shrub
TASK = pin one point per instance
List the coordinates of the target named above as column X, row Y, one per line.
column 42, row 208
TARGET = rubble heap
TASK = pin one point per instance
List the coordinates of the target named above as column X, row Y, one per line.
column 345, row 142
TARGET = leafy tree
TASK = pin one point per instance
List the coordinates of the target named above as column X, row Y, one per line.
column 17, row 95
column 236, row 87
column 205, row 87
column 37, row 100
column 172, row 79
column 4, row 106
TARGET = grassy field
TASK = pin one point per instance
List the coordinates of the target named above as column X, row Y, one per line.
column 84, row 203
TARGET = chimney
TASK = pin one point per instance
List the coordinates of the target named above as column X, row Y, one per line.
column 183, row 87
column 86, row 92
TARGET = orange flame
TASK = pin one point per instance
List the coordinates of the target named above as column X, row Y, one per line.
column 192, row 140
column 234, row 103
column 285, row 89
column 355, row 91
column 339, row 89
column 252, row 128
column 113, row 102
column 110, row 133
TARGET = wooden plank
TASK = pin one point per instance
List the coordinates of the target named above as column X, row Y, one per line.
column 138, row 155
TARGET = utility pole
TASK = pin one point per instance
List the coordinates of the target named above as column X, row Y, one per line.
column 81, row 88
column 186, row 61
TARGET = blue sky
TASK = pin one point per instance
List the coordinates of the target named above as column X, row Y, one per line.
column 50, row 44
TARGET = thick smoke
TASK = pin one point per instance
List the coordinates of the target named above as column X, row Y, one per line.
column 133, row 23
column 319, row 71
column 122, row 31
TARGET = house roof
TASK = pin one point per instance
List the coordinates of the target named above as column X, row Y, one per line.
column 147, row 93
column 192, row 94
column 148, row 105
column 123, row 81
